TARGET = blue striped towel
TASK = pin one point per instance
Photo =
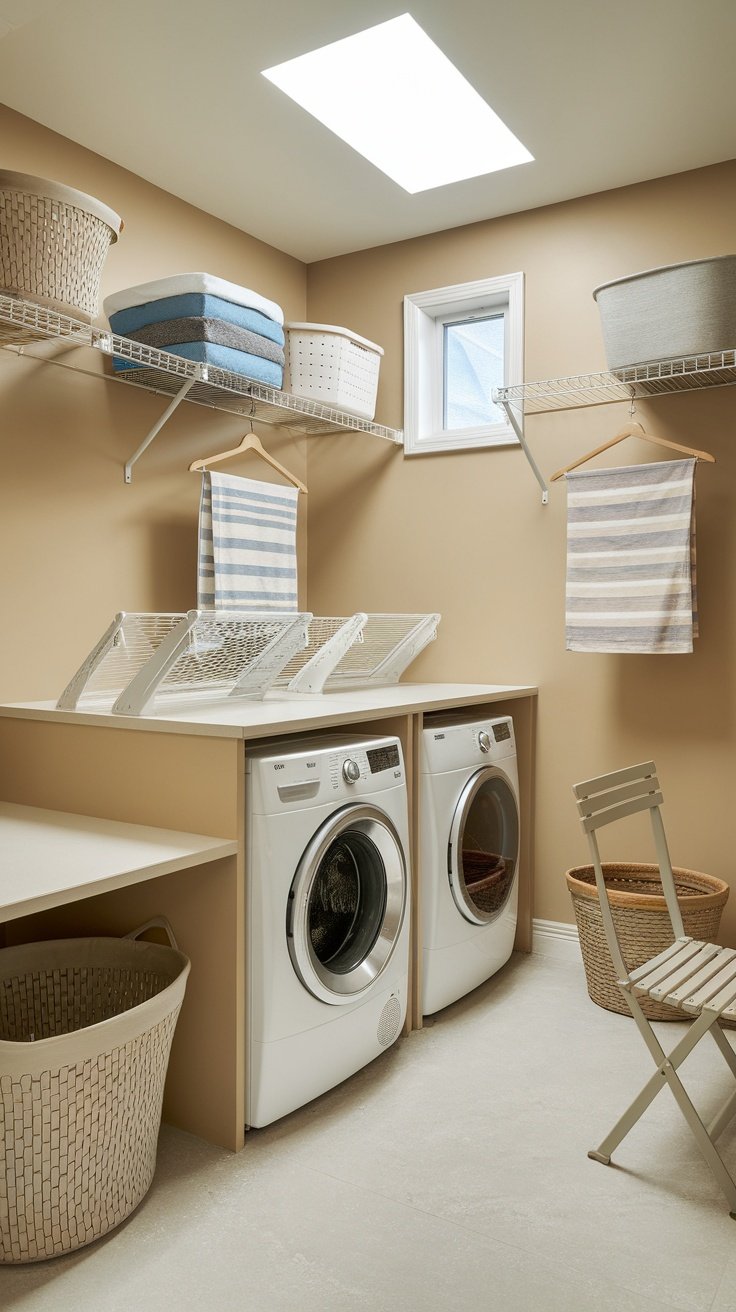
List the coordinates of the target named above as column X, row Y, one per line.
column 631, row 559
column 247, row 545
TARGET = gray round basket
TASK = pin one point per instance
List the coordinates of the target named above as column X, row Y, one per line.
column 85, row 1032
column 53, row 243
column 642, row 923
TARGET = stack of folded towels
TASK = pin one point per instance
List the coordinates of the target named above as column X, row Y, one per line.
column 203, row 318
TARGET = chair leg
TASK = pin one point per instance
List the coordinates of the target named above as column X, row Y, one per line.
column 703, row 1140
column 627, row 1122
column 667, row 1072
column 722, row 1042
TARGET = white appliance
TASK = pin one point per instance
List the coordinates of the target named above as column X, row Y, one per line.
column 327, row 929
column 469, row 851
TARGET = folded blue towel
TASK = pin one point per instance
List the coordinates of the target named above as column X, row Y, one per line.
column 195, row 304
column 222, row 357
column 162, row 335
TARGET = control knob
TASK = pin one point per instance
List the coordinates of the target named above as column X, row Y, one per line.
column 484, row 741
column 350, row 771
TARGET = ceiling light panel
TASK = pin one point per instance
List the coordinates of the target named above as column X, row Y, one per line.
column 393, row 96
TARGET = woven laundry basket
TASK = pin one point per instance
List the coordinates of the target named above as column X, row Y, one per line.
column 85, row 1032
column 53, row 244
column 642, row 923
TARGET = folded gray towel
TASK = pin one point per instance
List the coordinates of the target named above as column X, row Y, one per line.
column 173, row 331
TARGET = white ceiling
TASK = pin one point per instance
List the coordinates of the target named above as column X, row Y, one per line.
column 602, row 92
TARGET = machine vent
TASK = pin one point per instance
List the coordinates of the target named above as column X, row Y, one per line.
column 389, row 1022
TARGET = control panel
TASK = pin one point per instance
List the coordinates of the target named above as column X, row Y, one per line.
column 455, row 746
column 328, row 770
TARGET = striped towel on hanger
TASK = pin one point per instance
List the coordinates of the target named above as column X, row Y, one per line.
column 247, row 545
column 631, row 559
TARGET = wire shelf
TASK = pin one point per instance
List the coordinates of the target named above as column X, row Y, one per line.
column 717, row 369
column 22, row 322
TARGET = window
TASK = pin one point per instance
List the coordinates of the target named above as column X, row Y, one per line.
column 459, row 343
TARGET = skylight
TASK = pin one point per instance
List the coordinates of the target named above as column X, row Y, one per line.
column 393, row 96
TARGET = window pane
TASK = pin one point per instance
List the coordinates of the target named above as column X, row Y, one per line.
column 473, row 360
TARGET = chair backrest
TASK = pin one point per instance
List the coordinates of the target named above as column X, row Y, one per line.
column 612, row 797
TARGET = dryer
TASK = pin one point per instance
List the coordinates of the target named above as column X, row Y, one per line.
column 469, row 854
column 327, row 906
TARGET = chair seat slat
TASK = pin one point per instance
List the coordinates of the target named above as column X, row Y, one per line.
column 686, row 972
column 676, row 996
column 663, row 972
column 636, row 975
column 724, row 999
column 702, row 997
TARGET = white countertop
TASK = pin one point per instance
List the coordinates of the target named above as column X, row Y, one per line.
column 49, row 858
column 278, row 713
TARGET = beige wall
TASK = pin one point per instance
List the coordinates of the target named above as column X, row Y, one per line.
column 76, row 544
column 466, row 533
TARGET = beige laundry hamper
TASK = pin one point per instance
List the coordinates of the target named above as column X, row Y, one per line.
column 642, row 923
column 85, row 1033
column 53, row 243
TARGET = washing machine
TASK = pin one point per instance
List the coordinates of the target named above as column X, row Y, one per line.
column 327, row 915
column 469, row 851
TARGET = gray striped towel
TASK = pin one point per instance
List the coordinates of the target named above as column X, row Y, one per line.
column 631, row 559
column 247, row 545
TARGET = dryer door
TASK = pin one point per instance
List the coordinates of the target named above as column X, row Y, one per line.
column 347, row 904
column 483, row 852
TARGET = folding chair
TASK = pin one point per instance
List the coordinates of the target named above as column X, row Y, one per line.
column 698, row 979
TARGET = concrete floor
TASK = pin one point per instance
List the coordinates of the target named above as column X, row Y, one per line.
column 451, row 1174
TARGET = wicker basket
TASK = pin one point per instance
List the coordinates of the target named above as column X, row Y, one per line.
column 642, row 923
column 486, row 876
column 85, row 1033
column 53, row 244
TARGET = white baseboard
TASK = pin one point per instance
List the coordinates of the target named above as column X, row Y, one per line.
column 554, row 938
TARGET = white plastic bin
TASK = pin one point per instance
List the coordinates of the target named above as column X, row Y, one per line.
column 333, row 365
column 85, row 1033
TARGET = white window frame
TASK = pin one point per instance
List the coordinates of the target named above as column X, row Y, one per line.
column 425, row 316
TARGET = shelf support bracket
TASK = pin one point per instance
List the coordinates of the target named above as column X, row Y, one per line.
column 508, row 409
column 168, row 412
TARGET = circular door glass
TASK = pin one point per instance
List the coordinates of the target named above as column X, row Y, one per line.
column 484, row 846
column 346, row 905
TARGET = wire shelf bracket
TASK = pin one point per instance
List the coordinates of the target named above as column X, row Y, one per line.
column 517, row 425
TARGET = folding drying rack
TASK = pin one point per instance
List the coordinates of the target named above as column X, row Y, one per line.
column 362, row 651
column 142, row 658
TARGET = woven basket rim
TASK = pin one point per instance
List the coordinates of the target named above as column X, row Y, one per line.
column 715, row 890
column 10, row 181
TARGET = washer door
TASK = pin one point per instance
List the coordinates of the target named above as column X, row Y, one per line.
column 483, row 853
column 347, row 904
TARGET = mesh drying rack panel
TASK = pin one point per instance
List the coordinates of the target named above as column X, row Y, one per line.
column 215, row 654
column 143, row 660
column 329, row 639
column 388, row 644
column 122, row 651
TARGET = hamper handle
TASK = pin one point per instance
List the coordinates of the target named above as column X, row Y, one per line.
column 156, row 922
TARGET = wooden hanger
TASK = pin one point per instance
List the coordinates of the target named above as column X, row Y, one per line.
column 250, row 442
column 634, row 429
